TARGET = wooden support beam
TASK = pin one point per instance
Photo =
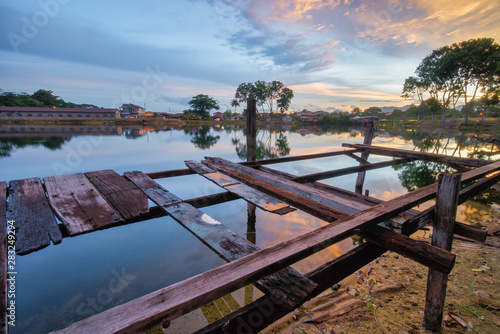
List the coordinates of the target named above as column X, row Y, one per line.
column 251, row 122
column 349, row 170
column 3, row 259
column 194, row 292
column 419, row 251
column 297, row 158
column 379, row 150
column 187, row 171
column 442, row 236
column 33, row 219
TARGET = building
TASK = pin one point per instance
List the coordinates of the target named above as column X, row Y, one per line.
column 58, row 113
column 131, row 110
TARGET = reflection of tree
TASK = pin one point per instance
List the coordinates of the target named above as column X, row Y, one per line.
column 7, row 145
column 418, row 174
column 265, row 147
column 202, row 138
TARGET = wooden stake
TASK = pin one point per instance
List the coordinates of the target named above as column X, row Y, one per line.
column 251, row 130
column 442, row 236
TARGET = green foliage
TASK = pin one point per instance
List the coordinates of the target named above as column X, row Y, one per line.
column 273, row 95
column 450, row 72
column 202, row 104
column 341, row 118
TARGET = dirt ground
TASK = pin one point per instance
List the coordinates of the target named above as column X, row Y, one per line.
column 389, row 294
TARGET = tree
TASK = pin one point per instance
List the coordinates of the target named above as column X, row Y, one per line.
column 227, row 114
column 452, row 71
column 202, row 104
column 47, row 98
column 433, row 105
column 235, row 104
column 478, row 62
column 271, row 96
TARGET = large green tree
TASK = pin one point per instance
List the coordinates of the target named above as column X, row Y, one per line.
column 272, row 96
column 202, row 104
column 461, row 70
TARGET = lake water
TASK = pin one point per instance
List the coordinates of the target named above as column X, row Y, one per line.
column 87, row 274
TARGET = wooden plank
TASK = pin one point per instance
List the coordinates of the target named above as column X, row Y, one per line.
column 302, row 196
column 153, row 190
column 379, row 150
column 263, row 201
column 35, row 224
column 78, row 204
column 123, row 195
column 3, row 259
column 349, row 170
column 170, row 173
column 442, row 236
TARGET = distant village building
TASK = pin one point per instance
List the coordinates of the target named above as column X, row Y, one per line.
column 58, row 113
column 131, row 110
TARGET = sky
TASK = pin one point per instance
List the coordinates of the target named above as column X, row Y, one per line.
column 334, row 54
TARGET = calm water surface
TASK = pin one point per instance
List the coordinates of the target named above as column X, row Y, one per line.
column 87, row 274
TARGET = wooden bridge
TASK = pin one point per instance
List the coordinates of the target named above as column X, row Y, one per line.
column 103, row 199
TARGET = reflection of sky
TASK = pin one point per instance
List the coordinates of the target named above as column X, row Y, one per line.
column 55, row 281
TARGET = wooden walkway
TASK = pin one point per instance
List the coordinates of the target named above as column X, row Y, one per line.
column 46, row 211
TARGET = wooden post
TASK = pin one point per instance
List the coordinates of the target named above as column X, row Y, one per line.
column 251, row 130
column 369, row 130
column 442, row 236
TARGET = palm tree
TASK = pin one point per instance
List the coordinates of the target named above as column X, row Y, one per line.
column 235, row 104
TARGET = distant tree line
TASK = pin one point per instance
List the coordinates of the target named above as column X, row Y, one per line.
column 40, row 98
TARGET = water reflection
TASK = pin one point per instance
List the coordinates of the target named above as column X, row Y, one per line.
column 201, row 137
column 418, row 174
column 7, row 145
column 271, row 145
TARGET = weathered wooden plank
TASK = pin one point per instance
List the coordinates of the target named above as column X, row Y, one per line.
column 419, row 155
column 3, row 259
column 442, row 236
column 224, row 242
column 78, row 204
column 123, row 195
column 349, row 170
column 309, row 205
column 35, row 224
column 306, row 198
column 153, row 190
column 263, row 201
column 170, row 173
column 211, row 232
